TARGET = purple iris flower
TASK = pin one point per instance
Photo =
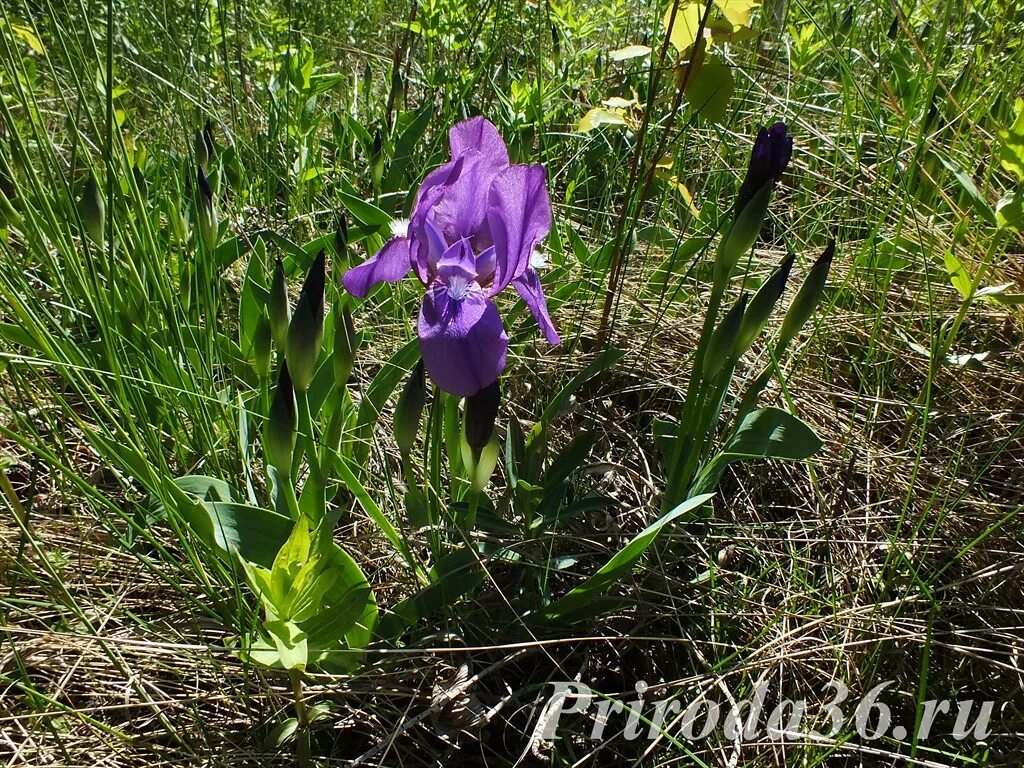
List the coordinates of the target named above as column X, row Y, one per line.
column 472, row 233
column 768, row 161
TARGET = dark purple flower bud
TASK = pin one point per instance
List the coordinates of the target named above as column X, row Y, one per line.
column 409, row 411
column 341, row 237
column 208, row 139
column 768, row 161
column 282, row 421
column 481, row 413
column 306, row 329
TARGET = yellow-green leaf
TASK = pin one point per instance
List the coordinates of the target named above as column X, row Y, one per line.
column 598, row 117
column 683, row 32
column 663, row 172
column 29, row 37
column 738, row 11
column 629, row 52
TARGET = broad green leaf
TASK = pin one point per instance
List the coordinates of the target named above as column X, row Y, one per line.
column 767, row 433
column 366, row 212
column 576, row 603
column 570, row 459
column 711, row 89
column 968, row 185
column 958, row 274
column 1010, row 211
column 290, row 642
column 1011, row 150
column 17, row 334
column 288, row 562
column 772, row 433
column 281, row 734
column 332, row 601
column 228, row 252
column 256, row 534
column 29, row 37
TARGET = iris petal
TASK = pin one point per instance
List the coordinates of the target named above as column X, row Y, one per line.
column 529, row 289
column 463, row 343
column 390, row 265
column 519, row 214
column 478, row 134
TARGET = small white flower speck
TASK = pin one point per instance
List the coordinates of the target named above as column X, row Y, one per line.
column 399, row 227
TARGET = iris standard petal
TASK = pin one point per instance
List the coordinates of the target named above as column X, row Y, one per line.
column 519, row 214
column 438, row 177
column 436, row 246
column 390, row 265
column 463, row 343
column 478, row 134
column 485, row 266
column 529, row 289
column 460, row 210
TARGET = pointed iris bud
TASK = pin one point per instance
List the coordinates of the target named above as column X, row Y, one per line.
column 741, row 235
column 207, row 213
column 846, row 22
column 202, row 151
column 346, row 344
column 186, row 287
column 233, row 170
column 894, row 28
column 211, row 150
column 92, row 209
column 140, row 181
column 306, row 329
column 377, row 159
column 341, row 237
column 409, row 410
column 807, row 298
column 367, row 73
column 398, row 85
column 768, row 160
column 761, row 306
column 503, row 74
column 481, row 413
column 282, row 421
column 722, row 344
column 277, row 307
column 261, row 346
